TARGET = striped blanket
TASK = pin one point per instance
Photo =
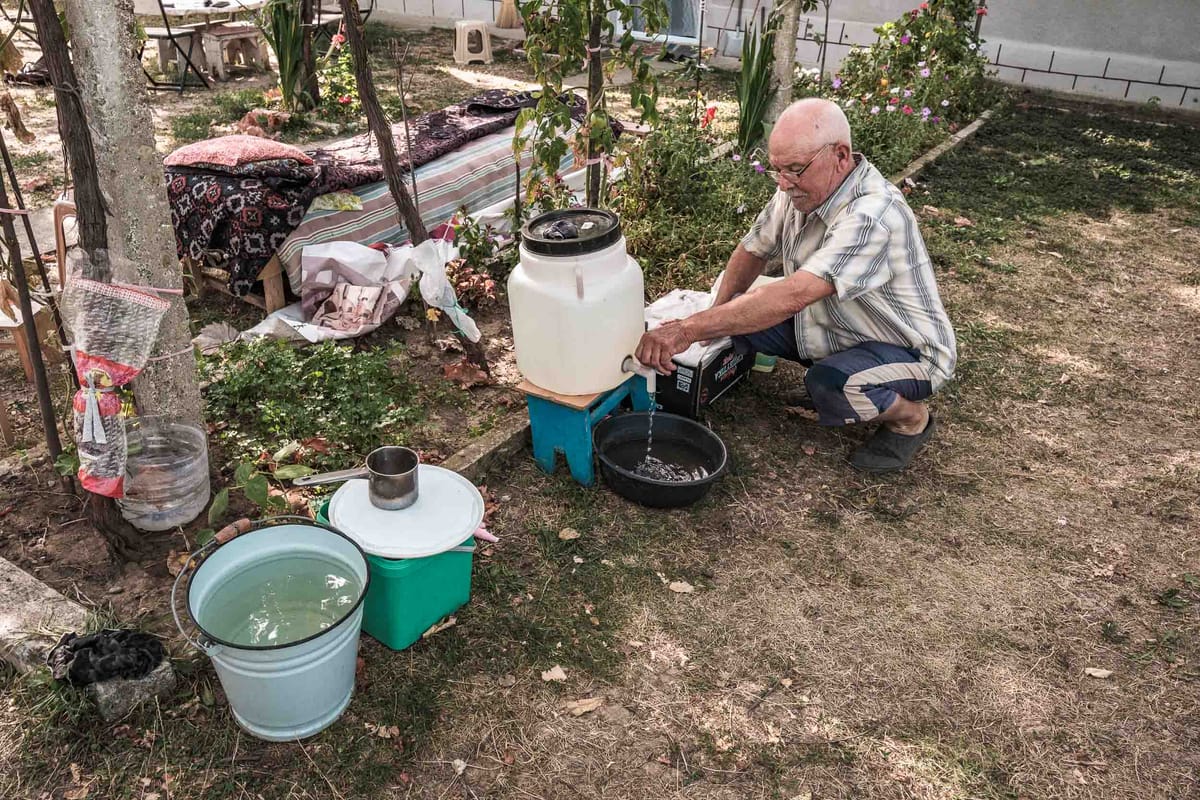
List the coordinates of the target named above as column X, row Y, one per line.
column 475, row 176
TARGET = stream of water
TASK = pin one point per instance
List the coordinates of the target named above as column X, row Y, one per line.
column 659, row 470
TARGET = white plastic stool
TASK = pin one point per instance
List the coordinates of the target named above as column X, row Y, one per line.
column 464, row 52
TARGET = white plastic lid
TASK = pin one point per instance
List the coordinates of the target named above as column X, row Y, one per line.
column 448, row 510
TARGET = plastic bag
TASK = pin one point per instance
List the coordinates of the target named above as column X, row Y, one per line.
column 432, row 255
column 113, row 330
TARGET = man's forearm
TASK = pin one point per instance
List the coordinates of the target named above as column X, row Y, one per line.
column 758, row 310
column 740, row 272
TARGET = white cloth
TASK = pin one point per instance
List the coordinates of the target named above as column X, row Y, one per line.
column 678, row 304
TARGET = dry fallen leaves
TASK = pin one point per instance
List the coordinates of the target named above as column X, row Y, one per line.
column 383, row 731
column 567, row 534
column 963, row 222
column 465, row 374
column 584, row 706
column 555, row 673
column 1094, row 672
column 176, row 562
column 681, row 587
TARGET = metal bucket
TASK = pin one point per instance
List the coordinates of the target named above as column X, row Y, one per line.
column 277, row 692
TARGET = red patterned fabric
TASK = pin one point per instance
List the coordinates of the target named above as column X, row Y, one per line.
column 230, row 151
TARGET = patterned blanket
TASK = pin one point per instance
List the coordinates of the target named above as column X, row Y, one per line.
column 236, row 218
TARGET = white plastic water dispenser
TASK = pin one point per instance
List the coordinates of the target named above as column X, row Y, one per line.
column 576, row 299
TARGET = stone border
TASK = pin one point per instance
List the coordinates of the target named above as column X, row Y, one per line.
column 921, row 162
column 491, row 451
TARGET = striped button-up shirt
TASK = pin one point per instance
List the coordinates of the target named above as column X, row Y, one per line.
column 864, row 240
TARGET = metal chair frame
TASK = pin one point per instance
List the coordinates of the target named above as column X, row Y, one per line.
column 193, row 37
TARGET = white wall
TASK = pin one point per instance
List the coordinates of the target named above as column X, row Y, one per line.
column 1133, row 51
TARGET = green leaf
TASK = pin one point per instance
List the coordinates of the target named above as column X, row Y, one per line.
column 67, row 463
column 220, row 505
column 204, row 536
column 257, row 490
column 291, row 471
column 277, row 503
column 244, row 472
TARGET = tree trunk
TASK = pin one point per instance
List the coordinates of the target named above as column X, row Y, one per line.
column 109, row 135
column 382, row 131
column 131, row 175
column 785, row 56
column 595, row 102
column 123, row 541
column 73, row 128
column 378, row 123
column 307, row 54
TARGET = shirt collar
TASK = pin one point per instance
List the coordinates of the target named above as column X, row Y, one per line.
column 844, row 193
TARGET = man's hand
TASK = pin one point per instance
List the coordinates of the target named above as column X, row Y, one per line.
column 657, row 346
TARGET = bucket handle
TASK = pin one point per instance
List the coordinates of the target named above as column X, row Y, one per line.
column 223, row 536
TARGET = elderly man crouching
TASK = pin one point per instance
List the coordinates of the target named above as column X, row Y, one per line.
column 859, row 305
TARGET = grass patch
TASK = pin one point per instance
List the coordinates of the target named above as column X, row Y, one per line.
column 1036, row 163
column 268, row 393
column 192, row 126
column 30, row 160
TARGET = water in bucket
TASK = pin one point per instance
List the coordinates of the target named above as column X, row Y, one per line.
column 281, row 601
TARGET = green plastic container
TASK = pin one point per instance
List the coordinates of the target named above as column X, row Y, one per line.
column 407, row 596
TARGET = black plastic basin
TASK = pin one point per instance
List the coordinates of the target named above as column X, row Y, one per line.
column 620, row 442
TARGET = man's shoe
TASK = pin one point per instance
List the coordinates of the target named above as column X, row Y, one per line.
column 888, row 451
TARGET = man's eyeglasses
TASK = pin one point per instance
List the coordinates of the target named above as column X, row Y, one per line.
column 794, row 175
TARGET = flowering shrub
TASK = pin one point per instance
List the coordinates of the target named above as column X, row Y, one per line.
column 683, row 208
column 339, row 88
column 929, row 55
column 924, row 75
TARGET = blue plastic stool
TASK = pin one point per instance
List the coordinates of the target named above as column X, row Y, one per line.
column 563, row 423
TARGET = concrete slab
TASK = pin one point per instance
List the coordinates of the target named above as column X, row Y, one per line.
column 33, row 617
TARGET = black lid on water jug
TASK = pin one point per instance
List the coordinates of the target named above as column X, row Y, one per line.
column 571, row 232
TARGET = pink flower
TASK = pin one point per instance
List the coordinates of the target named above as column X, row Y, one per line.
column 710, row 112
column 925, row 72
column 925, row 112
column 981, row 11
column 894, row 101
column 736, row 157
column 935, row 119
column 345, row 99
column 924, row 6
column 338, row 40
column 907, row 109
column 889, row 108
column 916, row 13
column 874, row 109
column 908, row 92
column 905, row 39
column 945, row 103
column 837, row 83
column 758, row 167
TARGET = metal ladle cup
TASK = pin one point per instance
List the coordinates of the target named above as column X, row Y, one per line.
column 391, row 474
